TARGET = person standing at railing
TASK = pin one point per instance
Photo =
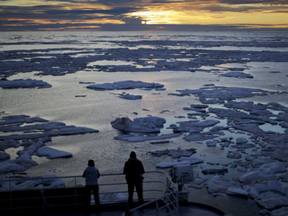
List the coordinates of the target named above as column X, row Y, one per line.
column 91, row 175
column 134, row 171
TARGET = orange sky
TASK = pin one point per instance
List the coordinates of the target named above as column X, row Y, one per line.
column 92, row 14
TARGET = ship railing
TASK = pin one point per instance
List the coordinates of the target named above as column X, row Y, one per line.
column 18, row 193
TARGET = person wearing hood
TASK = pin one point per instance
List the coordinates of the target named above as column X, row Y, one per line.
column 91, row 175
column 134, row 170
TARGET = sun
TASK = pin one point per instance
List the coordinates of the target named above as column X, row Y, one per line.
column 156, row 17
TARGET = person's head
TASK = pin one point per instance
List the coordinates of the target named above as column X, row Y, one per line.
column 91, row 163
column 132, row 154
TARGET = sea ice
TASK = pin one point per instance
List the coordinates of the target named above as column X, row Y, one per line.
column 52, row 153
column 4, row 156
column 195, row 125
column 160, row 142
column 237, row 74
column 269, row 195
column 273, row 168
column 237, row 191
column 130, row 97
column 20, row 83
column 129, row 84
column 220, row 94
column 256, row 176
column 191, row 160
column 211, row 143
column 22, row 183
column 175, row 153
column 23, row 161
column 280, row 212
column 16, row 119
column 8, row 143
column 142, row 138
column 38, row 135
column 241, row 140
column 219, row 184
column 233, row 154
column 171, row 164
column 139, row 125
column 214, row 170
column 199, row 137
column 197, row 183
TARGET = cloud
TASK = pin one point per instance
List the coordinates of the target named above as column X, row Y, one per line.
column 57, row 12
column 99, row 13
column 253, row 1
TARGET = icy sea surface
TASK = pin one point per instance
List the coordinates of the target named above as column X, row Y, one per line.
column 220, row 98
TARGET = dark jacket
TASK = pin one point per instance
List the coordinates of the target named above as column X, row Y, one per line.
column 133, row 169
column 91, row 174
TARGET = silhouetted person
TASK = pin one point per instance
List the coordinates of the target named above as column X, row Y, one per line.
column 91, row 175
column 133, row 170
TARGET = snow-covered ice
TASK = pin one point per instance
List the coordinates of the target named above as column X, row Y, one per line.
column 150, row 124
column 237, row 74
column 33, row 136
column 27, row 182
column 129, row 84
column 52, row 153
column 130, row 97
column 176, row 153
column 21, row 83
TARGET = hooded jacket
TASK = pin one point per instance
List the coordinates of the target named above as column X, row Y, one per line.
column 91, row 175
column 133, row 168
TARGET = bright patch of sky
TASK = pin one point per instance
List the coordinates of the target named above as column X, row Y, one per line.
column 67, row 14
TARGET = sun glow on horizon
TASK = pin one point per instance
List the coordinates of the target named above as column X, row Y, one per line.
column 36, row 14
column 156, row 17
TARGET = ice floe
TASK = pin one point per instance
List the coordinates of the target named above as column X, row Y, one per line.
column 198, row 182
column 31, row 136
column 214, row 170
column 24, row 160
column 43, row 130
column 21, row 83
column 130, row 97
column 237, row 74
column 129, row 84
column 220, row 94
column 149, row 124
column 143, row 138
column 270, row 195
column 194, row 126
column 179, row 162
column 220, row 184
column 51, row 153
column 26, row 182
column 211, row 143
column 175, row 153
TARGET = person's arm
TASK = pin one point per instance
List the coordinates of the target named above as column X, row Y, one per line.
column 84, row 174
column 125, row 169
column 142, row 171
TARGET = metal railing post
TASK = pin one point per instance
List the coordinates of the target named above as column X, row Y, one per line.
column 76, row 201
column 43, row 196
column 10, row 195
column 157, row 208
column 177, row 203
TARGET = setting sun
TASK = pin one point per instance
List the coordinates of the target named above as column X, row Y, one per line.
column 156, row 17
column 142, row 15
